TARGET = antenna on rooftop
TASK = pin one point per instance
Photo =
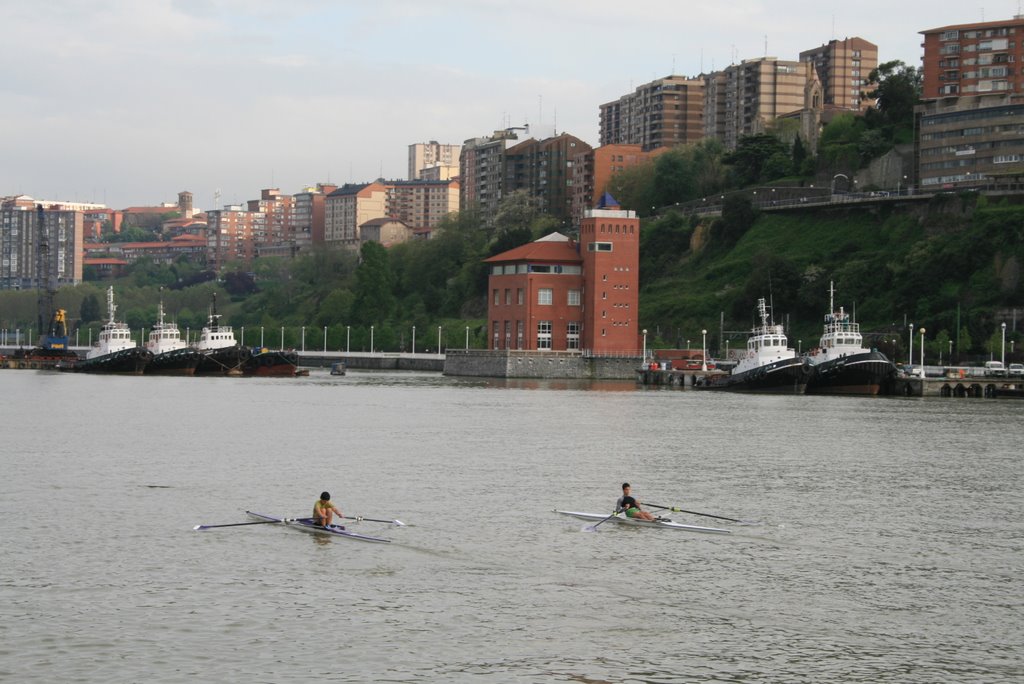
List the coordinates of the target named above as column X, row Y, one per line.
column 216, row 198
column 673, row 72
column 766, row 45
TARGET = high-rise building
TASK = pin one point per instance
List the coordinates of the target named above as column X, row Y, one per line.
column 20, row 232
column 308, row 215
column 592, row 171
column 350, row 206
column 482, row 170
column 544, row 169
column 662, row 113
column 744, row 98
column 433, row 161
column 973, row 59
column 843, row 67
column 230, row 234
column 421, row 204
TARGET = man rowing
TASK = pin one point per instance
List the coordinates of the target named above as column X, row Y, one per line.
column 631, row 506
column 324, row 510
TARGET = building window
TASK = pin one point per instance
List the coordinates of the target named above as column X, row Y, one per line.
column 508, row 334
column 508, row 296
column 519, row 334
column 520, row 294
column 544, row 296
column 494, row 335
column 572, row 335
column 544, row 335
column 496, row 300
column 574, row 297
column 599, row 246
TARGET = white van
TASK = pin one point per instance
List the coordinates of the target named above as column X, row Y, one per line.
column 995, row 369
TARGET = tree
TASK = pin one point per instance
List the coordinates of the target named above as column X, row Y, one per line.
column 374, row 299
column 751, row 155
column 897, row 90
column 90, row 310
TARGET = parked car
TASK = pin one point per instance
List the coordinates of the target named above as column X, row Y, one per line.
column 1015, row 369
column 995, row 369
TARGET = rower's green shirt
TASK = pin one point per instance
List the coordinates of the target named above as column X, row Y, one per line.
column 321, row 507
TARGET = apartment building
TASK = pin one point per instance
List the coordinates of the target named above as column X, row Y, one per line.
column 230, row 234
column 555, row 294
column 843, row 67
column 433, row 161
column 973, row 59
column 663, row 113
column 593, row 169
column 544, row 169
column 969, row 126
column 308, row 215
column 20, row 233
column 421, row 204
column 744, row 98
column 970, row 140
column 482, row 170
column 276, row 229
column 349, row 207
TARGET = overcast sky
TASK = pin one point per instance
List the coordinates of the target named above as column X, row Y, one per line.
column 128, row 102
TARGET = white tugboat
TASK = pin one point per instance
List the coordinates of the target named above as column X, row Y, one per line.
column 221, row 353
column 115, row 351
column 769, row 365
column 842, row 364
column 171, row 354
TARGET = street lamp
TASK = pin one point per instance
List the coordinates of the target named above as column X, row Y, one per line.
column 243, row 336
column 799, row 347
column 261, row 337
column 704, row 351
column 951, row 352
column 910, row 360
column 325, row 339
column 303, row 338
column 687, row 345
column 438, row 339
column 1002, row 352
column 467, row 338
column 643, row 358
column 282, row 337
column 348, row 338
column 371, row 339
column 414, row 340
column 922, row 352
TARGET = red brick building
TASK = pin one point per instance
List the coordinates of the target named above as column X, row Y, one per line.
column 554, row 294
column 973, row 59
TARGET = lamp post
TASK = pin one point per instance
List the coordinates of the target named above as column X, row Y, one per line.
column 922, row 352
column 799, row 347
column 467, row 338
column 261, row 337
column 687, row 345
column 1002, row 351
column 438, row 339
column 643, row 358
column 371, row 339
column 243, row 336
column 348, row 338
column 414, row 340
column 303, row 338
column 910, row 359
column 704, row 351
column 951, row 352
column 282, row 337
column 325, row 339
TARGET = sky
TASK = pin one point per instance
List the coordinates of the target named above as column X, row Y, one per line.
column 128, row 102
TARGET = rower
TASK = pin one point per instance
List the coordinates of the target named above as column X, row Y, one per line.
column 631, row 506
column 324, row 510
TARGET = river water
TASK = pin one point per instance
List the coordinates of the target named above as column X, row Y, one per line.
column 887, row 545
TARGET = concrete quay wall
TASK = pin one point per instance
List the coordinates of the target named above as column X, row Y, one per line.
column 553, row 365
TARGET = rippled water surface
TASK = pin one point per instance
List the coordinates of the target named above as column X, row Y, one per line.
column 888, row 545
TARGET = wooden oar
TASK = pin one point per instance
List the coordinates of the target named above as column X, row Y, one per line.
column 706, row 515
column 594, row 526
column 258, row 522
column 399, row 523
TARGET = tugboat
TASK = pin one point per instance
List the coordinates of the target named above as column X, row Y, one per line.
column 115, row 352
column 171, row 354
column 769, row 366
column 221, row 353
column 842, row 364
column 270, row 362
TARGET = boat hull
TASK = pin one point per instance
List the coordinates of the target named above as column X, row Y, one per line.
column 861, row 374
column 788, row 376
column 223, row 361
column 131, row 361
column 175, row 362
column 271, row 364
column 306, row 525
column 660, row 524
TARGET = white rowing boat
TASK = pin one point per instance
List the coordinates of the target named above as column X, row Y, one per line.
column 307, row 525
column 663, row 524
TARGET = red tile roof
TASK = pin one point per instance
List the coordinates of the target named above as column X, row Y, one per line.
column 540, row 251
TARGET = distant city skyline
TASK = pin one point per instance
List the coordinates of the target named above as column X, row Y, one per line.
column 126, row 103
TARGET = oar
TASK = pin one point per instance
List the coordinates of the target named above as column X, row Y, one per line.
column 594, row 527
column 399, row 523
column 258, row 522
column 706, row 515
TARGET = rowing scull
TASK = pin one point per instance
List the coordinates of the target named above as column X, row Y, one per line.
column 664, row 524
column 307, row 525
